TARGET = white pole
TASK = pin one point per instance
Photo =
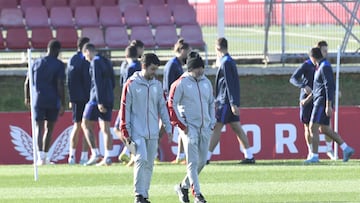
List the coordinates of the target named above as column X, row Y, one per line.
column 336, row 118
column 33, row 131
column 221, row 18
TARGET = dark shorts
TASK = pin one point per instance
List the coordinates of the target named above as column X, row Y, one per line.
column 305, row 113
column 225, row 115
column 48, row 114
column 92, row 113
column 77, row 111
column 319, row 116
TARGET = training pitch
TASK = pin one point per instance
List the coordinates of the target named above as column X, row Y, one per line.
column 221, row 182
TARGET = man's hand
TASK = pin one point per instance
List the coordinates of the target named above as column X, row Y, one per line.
column 101, row 108
column 235, row 110
column 70, row 105
column 307, row 90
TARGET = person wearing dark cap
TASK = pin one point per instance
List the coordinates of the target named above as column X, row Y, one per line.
column 78, row 83
column 49, row 97
column 192, row 109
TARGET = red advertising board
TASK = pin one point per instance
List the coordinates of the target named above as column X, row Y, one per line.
column 274, row 133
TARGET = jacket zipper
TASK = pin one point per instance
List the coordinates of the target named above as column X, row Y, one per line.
column 201, row 107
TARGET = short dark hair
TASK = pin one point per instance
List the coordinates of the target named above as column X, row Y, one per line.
column 316, row 53
column 81, row 41
column 150, row 58
column 137, row 43
column 54, row 47
column 89, row 46
column 322, row 43
column 222, row 43
column 131, row 51
column 181, row 45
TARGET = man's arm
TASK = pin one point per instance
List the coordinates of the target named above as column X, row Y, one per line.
column 27, row 92
column 232, row 84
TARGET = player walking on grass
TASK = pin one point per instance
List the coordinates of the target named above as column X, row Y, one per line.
column 227, row 101
column 100, row 104
column 142, row 103
column 303, row 78
column 172, row 71
column 78, row 83
column 192, row 109
column 323, row 98
column 49, row 96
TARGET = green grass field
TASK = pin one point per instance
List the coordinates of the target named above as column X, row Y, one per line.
column 221, row 182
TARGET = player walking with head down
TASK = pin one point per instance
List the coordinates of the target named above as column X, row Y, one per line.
column 49, row 96
column 192, row 109
column 227, row 101
column 323, row 98
column 78, row 83
column 100, row 104
column 142, row 104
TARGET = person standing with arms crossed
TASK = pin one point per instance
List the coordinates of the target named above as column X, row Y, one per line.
column 78, row 83
column 142, row 103
column 227, row 101
column 100, row 104
column 172, row 71
column 49, row 96
column 192, row 109
column 323, row 97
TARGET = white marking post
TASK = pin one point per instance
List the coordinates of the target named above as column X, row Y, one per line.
column 336, row 116
column 33, row 131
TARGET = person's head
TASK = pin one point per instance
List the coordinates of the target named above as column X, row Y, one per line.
column 89, row 51
column 53, row 48
column 315, row 55
column 323, row 47
column 221, row 45
column 181, row 49
column 149, row 64
column 81, row 41
column 131, row 52
column 139, row 45
column 195, row 64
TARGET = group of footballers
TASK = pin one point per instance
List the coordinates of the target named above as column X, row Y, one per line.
column 315, row 79
column 189, row 106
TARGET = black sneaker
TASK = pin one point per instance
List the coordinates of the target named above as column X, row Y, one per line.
column 182, row 193
column 199, row 199
column 140, row 199
column 147, row 200
column 248, row 161
column 207, row 162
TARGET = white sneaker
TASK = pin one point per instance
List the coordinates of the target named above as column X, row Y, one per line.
column 41, row 162
column 93, row 160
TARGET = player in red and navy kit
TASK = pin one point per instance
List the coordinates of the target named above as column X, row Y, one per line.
column 78, row 83
column 48, row 95
column 323, row 98
column 100, row 105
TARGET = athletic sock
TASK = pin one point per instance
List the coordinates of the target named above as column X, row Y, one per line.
column 72, row 153
column 343, row 146
column 315, row 155
column 107, row 153
column 209, row 154
column 127, row 152
column 41, row 155
column 84, row 156
column 248, row 154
